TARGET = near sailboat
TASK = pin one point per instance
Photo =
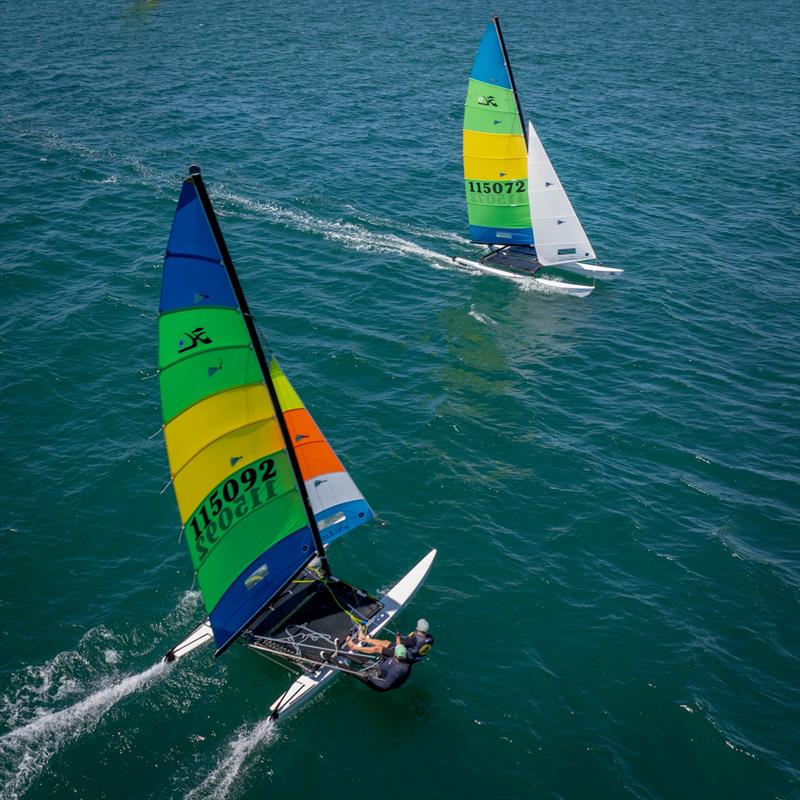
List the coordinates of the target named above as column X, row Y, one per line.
column 260, row 491
column 515, row 202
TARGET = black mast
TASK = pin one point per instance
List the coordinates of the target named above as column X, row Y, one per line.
column 496, row 21
column 197, row 180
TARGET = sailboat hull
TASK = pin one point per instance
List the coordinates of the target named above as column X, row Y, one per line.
column 525, row 276
column 592, row 270
column 308, row 686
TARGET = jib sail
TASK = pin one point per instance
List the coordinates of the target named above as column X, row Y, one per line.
column 337, row 503
column 557, row 230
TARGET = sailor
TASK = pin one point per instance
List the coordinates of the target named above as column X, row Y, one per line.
column 419, row 642
column 394, row 668
column 368, row 646
column 391, row 672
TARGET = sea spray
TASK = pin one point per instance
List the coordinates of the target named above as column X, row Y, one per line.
column 37, row 732
column 26, row 750
column 218, row 782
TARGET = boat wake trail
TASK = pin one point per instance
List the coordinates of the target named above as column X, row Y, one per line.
column 218, row 782
column 363, row 235
column 350, row 234
column 26, row 750
column 46, row 706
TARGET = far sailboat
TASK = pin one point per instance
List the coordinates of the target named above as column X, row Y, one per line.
column 515, row 202
column 260, row 491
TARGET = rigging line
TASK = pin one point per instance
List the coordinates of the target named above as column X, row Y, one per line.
column 153, row 435
column 356, row 620
column 304, row 643
column 169, row 483
column 324, row 665
column 279, row 663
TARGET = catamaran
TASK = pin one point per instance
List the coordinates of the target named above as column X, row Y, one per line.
column 516, row 205
column 260, row 492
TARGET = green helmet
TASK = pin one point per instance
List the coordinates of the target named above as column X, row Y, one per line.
column 400, row 651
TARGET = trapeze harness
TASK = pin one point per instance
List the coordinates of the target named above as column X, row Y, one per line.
column 418, row 646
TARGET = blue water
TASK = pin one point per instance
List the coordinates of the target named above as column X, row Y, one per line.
column 612, row 482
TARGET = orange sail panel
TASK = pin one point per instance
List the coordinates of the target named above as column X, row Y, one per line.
column 337, row 502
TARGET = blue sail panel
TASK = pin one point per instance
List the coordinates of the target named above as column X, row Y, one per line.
column 489, row 65
column 193, row 282
column 480, row 233
column 342, row 518
column 258, row 584
column 191, row 233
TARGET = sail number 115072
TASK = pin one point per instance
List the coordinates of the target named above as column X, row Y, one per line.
column 496, row 187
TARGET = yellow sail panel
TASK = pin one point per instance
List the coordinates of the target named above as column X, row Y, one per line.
column 210, row 419
column 287, row 396
column 494, row 157
column 216, row 462
column 494, row 145
column 496, row 169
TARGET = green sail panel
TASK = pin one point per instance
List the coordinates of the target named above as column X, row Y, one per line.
column 183, row 334
column 491, row 109
column 188, row 381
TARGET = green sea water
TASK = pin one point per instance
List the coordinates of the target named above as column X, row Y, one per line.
column 612, row 483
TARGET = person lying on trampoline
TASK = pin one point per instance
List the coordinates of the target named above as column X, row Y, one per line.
column 393, row 669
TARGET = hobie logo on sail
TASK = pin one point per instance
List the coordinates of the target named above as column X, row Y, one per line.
column 486, row 101
column 195, row 337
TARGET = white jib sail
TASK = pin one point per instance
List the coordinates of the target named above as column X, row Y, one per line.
column 558, row 235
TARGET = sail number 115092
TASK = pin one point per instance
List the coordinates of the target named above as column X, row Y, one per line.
column 234, row 499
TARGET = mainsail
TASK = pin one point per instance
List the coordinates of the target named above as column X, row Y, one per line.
column 557, row 231
column 233, row 426
column 495, row 155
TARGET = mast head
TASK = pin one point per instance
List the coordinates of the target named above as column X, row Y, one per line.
column 194, row 169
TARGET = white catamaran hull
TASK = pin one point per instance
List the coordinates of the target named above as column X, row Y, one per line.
column 201, row 635
column 307, row 686
column 591, row 270
column 574, row 289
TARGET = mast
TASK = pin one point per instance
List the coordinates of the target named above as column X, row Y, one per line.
column 496, row 21
column 197, row 181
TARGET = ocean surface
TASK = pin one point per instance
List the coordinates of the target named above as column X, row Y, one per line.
column 612, row 483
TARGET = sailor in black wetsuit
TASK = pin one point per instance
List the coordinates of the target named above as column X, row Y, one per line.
column 419, row 642
column 391, row 672
column 394, row 668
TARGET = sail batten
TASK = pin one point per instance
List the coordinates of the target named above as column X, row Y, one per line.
column 495, row 153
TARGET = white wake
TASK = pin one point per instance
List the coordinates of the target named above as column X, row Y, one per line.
column 27, row 749
column 218, row 782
